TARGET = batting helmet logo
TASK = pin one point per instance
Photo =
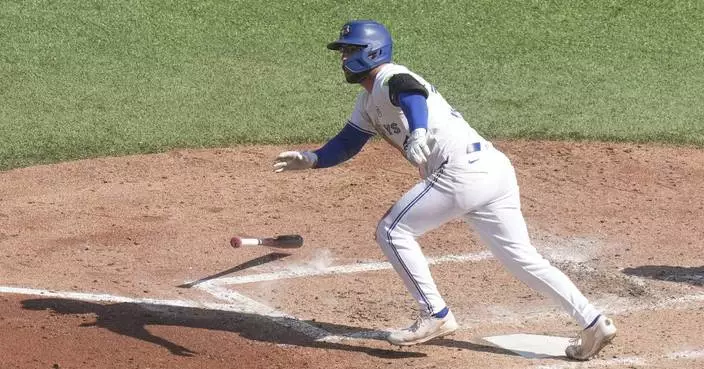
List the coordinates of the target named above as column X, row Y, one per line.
column 345, row 30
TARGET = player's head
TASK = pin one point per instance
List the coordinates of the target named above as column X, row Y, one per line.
column 365, row 44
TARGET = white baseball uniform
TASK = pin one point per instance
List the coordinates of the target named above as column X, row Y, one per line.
column 465, row 176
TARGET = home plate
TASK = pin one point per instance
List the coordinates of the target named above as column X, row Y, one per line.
column 532, row 346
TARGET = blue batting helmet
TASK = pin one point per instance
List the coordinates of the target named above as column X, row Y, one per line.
column 372, row 38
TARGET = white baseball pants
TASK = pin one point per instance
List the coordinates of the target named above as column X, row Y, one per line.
column 480, row 187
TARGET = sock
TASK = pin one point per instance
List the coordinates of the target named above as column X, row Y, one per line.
column 442, row 313
column 593, row 322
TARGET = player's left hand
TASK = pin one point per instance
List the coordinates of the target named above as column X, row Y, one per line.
column 417, row 150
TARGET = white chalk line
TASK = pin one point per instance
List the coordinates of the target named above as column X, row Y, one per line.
column 689, row 354
column 242, row 304
column 216, row 289
column 253, row 307
column 310, row 270
column 628, row 360
column 611, row 305
column 616, row 306
column 107, row 298
column 679, row 302
column 239, row 303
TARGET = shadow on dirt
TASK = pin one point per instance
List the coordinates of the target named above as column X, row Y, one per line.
column 691, row 275
column 132, row 319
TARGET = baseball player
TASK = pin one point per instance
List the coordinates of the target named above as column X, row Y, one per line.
column 463, row 175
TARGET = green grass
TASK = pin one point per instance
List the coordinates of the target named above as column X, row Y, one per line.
column 92, row 78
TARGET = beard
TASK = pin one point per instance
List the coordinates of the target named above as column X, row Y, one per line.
column 354, row 77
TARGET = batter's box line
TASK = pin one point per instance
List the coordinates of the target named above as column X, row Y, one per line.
column 312, row 270
column 109, row 298
column 615, row 305
column 242, row 304
column 250, row 306
column 217, row 288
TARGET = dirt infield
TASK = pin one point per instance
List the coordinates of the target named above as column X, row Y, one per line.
column 95, row 255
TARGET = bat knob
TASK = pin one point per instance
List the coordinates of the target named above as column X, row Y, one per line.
column 236, row 242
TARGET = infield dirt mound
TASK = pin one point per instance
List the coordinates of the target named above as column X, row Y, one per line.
column 623, row 220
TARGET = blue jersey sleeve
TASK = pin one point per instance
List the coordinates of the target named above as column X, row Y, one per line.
column 342, row 147
column 415, row 108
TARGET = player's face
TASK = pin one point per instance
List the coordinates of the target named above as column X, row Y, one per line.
column 347, row 51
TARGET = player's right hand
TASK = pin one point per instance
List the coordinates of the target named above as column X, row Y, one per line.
column 417, row 150
column 295, row 160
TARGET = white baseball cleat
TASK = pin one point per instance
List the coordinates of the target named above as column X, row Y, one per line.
column 425, row 328
column 591, row 340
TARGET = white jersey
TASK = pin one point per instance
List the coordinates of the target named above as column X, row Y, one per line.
column 478, row 185
column 448, row 133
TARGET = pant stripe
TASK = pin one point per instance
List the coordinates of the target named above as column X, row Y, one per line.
column 395, row 223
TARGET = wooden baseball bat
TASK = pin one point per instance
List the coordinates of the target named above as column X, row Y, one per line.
column 288, row 241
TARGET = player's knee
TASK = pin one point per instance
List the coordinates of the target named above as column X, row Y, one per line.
column 383, row 229
column 388, row 231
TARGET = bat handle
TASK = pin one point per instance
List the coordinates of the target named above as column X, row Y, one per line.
column 241, row 241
